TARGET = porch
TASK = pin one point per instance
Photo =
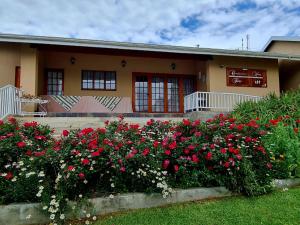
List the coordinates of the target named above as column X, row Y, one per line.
column 13, row 102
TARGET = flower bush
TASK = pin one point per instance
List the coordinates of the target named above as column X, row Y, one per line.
column 62, row 173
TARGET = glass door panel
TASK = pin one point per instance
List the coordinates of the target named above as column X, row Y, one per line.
column 173, row 94
column 158, row 104
column 141, row 94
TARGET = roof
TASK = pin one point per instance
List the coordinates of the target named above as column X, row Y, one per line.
column 279, row 38
column 29, row 39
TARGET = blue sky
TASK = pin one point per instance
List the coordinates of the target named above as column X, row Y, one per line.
column 208, row 23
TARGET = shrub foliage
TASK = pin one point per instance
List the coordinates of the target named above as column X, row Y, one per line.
column 243, row 156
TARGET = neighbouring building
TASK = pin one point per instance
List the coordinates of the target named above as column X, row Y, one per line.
column 289, row 69
column 78, row 75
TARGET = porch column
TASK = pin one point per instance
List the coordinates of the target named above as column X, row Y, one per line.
column 29, row 73
column 29, row 69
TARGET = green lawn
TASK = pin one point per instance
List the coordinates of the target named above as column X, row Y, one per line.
column 276, row 208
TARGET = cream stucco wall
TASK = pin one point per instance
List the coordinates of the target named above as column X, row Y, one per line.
column 288, row 47
column 72, row 72
column 289, row 70
column 9, row 59
column 217, row 75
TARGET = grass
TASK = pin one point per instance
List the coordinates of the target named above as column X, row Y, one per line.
column 277, row 208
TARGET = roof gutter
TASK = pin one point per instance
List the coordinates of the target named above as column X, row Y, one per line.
column 139, row 47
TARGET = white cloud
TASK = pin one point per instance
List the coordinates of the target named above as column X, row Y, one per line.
column 220, row 24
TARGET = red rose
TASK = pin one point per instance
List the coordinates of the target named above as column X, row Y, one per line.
column 196, row 123
column 150, row 122
column 155, row 144
column 176, row 168
column 165, row 164
column 168, row 152
column 248, row 139
column 21, row 144
column 28, row 153
column 186, row 151
column 38, row 154
column 94, row 154
column 195, row 159
column 173, row 145
column 208, row 156
column 226, row 164
column 9, row 176
column 70, row 168
column 129, row 156
column 146, row 152
column 81, row 176
column 102, row 130
column 1, row 122
column 65, row 133
column 85, row 161
column 198, row 134
column 269, row 165
column 223, row 150
column 12, row 120
column 186, row 122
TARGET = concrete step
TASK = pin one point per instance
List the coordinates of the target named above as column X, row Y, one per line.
column 63, row 123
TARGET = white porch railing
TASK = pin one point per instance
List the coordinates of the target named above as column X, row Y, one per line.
column 10, row 101
column 218, row 101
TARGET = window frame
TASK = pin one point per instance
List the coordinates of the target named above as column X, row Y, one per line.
column 105, row 72
column 46, row 79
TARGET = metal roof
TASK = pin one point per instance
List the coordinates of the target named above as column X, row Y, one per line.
column 280, row 38
column 29, row 39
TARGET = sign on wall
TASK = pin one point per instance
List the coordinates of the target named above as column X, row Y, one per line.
column 238, row 77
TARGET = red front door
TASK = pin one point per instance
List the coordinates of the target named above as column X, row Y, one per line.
column 18, row 77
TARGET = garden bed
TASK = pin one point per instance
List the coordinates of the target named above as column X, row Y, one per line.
column 62, row 173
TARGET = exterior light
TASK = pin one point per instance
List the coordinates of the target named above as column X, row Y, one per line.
column 123, row 63
column 72, row 60
column 173, row 66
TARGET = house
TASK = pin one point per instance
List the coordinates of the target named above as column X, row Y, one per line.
column 92, row 76
column 289, row 70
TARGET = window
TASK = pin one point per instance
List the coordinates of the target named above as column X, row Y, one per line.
column 98, row 80
column 55, row 82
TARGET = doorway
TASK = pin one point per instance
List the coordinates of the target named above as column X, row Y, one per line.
column 161, row 93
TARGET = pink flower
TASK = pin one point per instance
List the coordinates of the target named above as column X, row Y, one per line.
column 1, row 122
column 165, row 164
column 122, row 169
column 81, row 176
column 239, row 157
